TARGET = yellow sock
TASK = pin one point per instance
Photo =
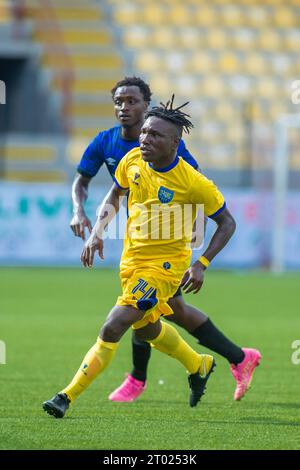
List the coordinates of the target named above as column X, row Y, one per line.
column 95, row 361
column 170, row 342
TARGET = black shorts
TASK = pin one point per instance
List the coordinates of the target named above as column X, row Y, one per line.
column 177, row 293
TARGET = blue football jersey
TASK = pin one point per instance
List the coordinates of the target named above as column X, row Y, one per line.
column 110, row 147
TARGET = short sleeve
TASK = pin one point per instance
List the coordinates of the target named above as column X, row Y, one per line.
column 183, row 152
column 93, row 158
column 204, row 191
column 120, row 177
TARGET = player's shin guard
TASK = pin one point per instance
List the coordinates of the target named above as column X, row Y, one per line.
column 170, row 342
column 95, row 361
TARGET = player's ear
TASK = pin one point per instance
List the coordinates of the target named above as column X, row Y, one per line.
column 176, row 141
column 146, row 105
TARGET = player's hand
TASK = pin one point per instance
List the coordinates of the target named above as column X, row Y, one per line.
column 92, row 245
column 79, row 223
column 193, row 278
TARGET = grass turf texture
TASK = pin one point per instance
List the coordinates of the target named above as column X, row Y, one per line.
column 50, row 317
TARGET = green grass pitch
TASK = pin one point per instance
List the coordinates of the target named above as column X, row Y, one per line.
column 50, row 317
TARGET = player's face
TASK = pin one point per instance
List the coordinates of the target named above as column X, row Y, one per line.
column 158, row 139
column 130, row 105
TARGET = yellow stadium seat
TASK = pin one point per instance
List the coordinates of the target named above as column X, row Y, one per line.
column 136, row 37
column 35, row 176
column 284, row 17
column 254, row 64
column 228, row 63
column 179, row 14
column 75, row 149
column 217, row 38
column 147, row 61
column 90, row 109
column 87, row 37
column 164, row 38
column 205, row 15
column 162, row 85
column 292, row 40
column 270, row 40
column 84, row 61
column 91, row 85
column 154, row 14
column 126, row 14
column 257, row 16
column 236, row 132
column 225, row 110
column 79, row 37
column 231, row 15
column 268, row 88
column 86, row 133
column 79, row 14
column 189, row 38
column 212, row 86
column 45, row 153
column 202, row 62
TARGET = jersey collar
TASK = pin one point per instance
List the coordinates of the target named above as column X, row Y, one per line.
column 166, row 168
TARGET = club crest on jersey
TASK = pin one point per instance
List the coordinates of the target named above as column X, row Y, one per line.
column 165, row 195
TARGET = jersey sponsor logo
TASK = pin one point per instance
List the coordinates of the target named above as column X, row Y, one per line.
column 166, row 265
column 165, row 195
column 135, row 178
column 111, row 161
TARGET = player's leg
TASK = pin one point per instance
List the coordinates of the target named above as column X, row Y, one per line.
column 166, row 339
column 243, row 360
column 96, row 359
column 136, row 382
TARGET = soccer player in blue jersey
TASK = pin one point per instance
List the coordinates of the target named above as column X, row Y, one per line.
column 131, row 97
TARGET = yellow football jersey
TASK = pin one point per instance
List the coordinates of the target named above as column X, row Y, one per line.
column 162, row 206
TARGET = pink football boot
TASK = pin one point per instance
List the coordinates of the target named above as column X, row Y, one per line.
column 129, row 390
column 243, row 372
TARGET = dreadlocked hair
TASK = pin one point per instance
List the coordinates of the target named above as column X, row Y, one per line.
column 174, row 115
column 134, row 81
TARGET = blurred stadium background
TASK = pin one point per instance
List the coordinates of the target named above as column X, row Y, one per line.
column 236, row 61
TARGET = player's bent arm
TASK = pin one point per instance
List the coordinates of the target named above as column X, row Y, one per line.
column 225, row 229
column 79, row 196
column 193, row 278
column 108, row 209
column 105, row 213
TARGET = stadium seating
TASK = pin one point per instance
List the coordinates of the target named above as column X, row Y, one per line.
column 80, row 54
column 234, row 61
column 226, row 57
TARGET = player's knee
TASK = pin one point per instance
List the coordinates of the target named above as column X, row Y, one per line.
column 110, row 332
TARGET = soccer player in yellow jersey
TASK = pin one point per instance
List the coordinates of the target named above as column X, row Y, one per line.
column 152, row 264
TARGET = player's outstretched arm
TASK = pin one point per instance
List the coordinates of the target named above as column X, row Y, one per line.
column 193, row 278
column 80, row 221
column 105, row 213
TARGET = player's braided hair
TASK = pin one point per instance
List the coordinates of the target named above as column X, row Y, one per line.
column 167, row 112
column 134, row 81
